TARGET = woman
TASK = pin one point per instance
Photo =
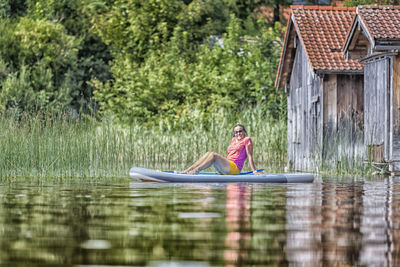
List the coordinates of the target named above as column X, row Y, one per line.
column 241, row 147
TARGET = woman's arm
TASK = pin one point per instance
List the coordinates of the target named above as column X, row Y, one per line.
column 249, row 151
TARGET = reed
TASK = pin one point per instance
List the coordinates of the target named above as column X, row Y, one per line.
column 59, row 146
column 344, row 152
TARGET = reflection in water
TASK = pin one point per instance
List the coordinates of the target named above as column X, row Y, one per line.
column 376, row 224
column 303, row 207
column 324, row 223
column 344, row 224
column 237, row 219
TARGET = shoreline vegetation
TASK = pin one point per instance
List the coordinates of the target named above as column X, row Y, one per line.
column 150, row 84
column 64, row 147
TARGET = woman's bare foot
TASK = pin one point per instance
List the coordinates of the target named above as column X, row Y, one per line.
column 193, row 171
column 186, row 171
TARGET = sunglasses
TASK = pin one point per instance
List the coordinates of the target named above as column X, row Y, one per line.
column 238, row 132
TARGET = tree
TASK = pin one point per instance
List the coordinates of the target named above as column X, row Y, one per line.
column 12, row 8
column 93, row 55
column 37, row 70
column 169, row 86
column 133, row 27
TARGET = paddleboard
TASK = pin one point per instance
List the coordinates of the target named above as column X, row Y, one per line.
column 149, row 175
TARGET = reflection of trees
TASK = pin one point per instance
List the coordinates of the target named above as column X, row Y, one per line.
column 268, row 234
column 48, row 224
column 160, row 232
column 45, row 224
column 324, row 223
column 32, row 217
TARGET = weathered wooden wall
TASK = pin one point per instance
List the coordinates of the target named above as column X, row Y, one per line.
column 376, row 115
column 330, row 103
column 396, row 95
column 395, row 155
column 304, row 115
column 343, row 116
column 350, row 116
column 350, row 96
column 344, row 100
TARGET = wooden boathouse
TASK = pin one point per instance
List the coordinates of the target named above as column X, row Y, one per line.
column 340, row 67
column 325, row 88
column 374, row 39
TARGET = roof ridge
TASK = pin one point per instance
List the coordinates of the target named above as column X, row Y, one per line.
column 316, row 7
column 375, row 6
column 380, row 22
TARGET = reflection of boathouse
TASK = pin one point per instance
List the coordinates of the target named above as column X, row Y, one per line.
column 340, row 67
column 351, row 224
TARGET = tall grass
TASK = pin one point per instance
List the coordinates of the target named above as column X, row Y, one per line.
column 344, row 153
column 58, row 146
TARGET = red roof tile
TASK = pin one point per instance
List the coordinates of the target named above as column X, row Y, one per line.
column 323, row 31
column 383, row 22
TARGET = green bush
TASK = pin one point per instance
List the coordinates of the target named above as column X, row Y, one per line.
column 148, row 61
column 171, row 85
column 36, row 73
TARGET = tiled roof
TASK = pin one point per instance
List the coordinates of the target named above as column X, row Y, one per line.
column 383, row 22
column 323, row 30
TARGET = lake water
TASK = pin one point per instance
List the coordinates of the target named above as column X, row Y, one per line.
column 77, row 223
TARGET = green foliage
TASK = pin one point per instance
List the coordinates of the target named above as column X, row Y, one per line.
column 134, row 27
column 66, row 12
column 93, row 55
column 45, row 42
column 170, row 86
column 351, row 3
column 36, row 71
column 9, row 45
column 53, row 37
column 202, row 18
column 149, row 61
column 12, row 8
column 32, row 89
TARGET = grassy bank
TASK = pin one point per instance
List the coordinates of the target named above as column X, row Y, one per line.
column 62, row 147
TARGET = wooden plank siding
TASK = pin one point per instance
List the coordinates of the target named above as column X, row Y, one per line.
column 396, row 109
column 376, row 90
column 304, row 115
column 396, row 96
column 325, row 115
column 343, row 116
column 350, row 106
column 330, row 103
column 350, row 112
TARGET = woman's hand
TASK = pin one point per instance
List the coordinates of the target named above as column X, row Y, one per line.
column 261, row 173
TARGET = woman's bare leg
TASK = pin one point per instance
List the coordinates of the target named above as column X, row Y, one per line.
column 199, row 162
column 220, row 163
